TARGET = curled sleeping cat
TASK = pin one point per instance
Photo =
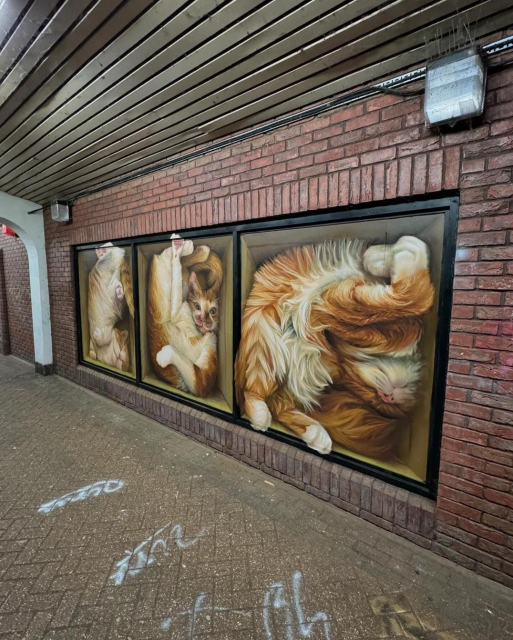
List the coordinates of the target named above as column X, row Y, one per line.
column 109, row 294
column 183, row 318
column 329, row 342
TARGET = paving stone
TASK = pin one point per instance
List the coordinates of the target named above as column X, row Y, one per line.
column 195, row 544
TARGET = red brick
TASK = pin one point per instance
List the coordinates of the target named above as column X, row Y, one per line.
column 498, row 222
column 451, row 167
column 489, row 342
column 484, row 208
column 464, row 283
column 419, row 174
column 496, row 283
column 468, row 409
column 459, row 367
column 379, row 155
column 503, row 160
column 478, row 298
column 348, row 113
column 469, row 382
column 471, row 166
column 466, row 255
column 479, row 269
column 499, row 497
column 482, row 531
column 497, row 253
column 485, row 178
column 461, row 311
column 476, row 326
column 405, row 167
column 401, row 109
column 363, row 121
column 378, row 182
column 501, row 191
column 494, row 313
column 482, row 239
column 465, row 435
column 391, row 174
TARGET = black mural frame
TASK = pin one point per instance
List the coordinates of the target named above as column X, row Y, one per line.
column 448, row 206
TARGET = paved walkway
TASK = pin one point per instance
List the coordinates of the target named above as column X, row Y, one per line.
column 153, row 536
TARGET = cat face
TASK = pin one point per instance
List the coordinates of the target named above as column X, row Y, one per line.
column 115, row 353
column 394, row 379
column 204, row 305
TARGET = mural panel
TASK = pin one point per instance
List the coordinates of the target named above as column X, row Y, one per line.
column 338, row 336
column 107, row 308
column 186, row 315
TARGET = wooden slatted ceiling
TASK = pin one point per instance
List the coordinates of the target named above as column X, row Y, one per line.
column 92, row 90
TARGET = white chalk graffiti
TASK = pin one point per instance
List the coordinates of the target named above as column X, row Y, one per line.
column 274, row 599
column 91, row 491
column 144, row 554
column 198, row 607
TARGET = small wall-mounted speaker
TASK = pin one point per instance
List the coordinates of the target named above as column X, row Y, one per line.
column 60, row 211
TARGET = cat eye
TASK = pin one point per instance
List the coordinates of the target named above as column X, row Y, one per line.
column 213, row 311
column 197, row 307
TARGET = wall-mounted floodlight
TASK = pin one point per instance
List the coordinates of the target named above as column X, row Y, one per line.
column 60, row 211
column 455, row 87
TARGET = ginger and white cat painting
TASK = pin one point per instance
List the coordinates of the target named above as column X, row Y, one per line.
column 110, row 305
column 183, row 316
column 330, row 342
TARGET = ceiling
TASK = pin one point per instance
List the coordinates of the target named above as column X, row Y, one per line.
column 92, row 90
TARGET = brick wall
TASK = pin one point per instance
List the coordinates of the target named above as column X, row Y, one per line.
column 372, row 151
column 15, row 306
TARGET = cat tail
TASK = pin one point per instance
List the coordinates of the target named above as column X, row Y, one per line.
column 355, row 426
column 261, row 361
column 214, row 268
column 126, row 281
column 156, row 329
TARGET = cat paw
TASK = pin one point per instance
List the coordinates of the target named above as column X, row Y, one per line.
column 165, row 356
column 120, row 294
column 92, row 354
column 410, row 255
column 317, row 438
column 181, row 247
column 259, row 415
column 377, row 260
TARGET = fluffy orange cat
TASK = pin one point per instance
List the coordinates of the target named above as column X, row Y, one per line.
column 183, row 318
column 108, row 296
column 329, row 342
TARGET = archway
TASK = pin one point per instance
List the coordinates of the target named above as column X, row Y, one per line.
column 14, row 212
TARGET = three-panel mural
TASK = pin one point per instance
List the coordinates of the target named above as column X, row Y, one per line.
column 336, row 326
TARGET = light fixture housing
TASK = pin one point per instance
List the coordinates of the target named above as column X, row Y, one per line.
column 455, row 87
column 60, row 211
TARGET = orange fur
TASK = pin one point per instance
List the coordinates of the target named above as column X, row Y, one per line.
column 162, row 328
column 109, row 294
column 353, row 314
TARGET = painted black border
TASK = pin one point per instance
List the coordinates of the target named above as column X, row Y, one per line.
column 447, row 205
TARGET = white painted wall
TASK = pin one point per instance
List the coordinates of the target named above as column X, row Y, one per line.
column 30, row 228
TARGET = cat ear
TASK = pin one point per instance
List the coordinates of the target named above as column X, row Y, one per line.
column 194, row 287
column 123, row 337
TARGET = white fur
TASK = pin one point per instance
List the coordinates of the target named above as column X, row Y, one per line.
column 389, row 374
column 317, row 438
column 297, row 360
column 258, row 414
column 307, row 375
column 176, row 316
